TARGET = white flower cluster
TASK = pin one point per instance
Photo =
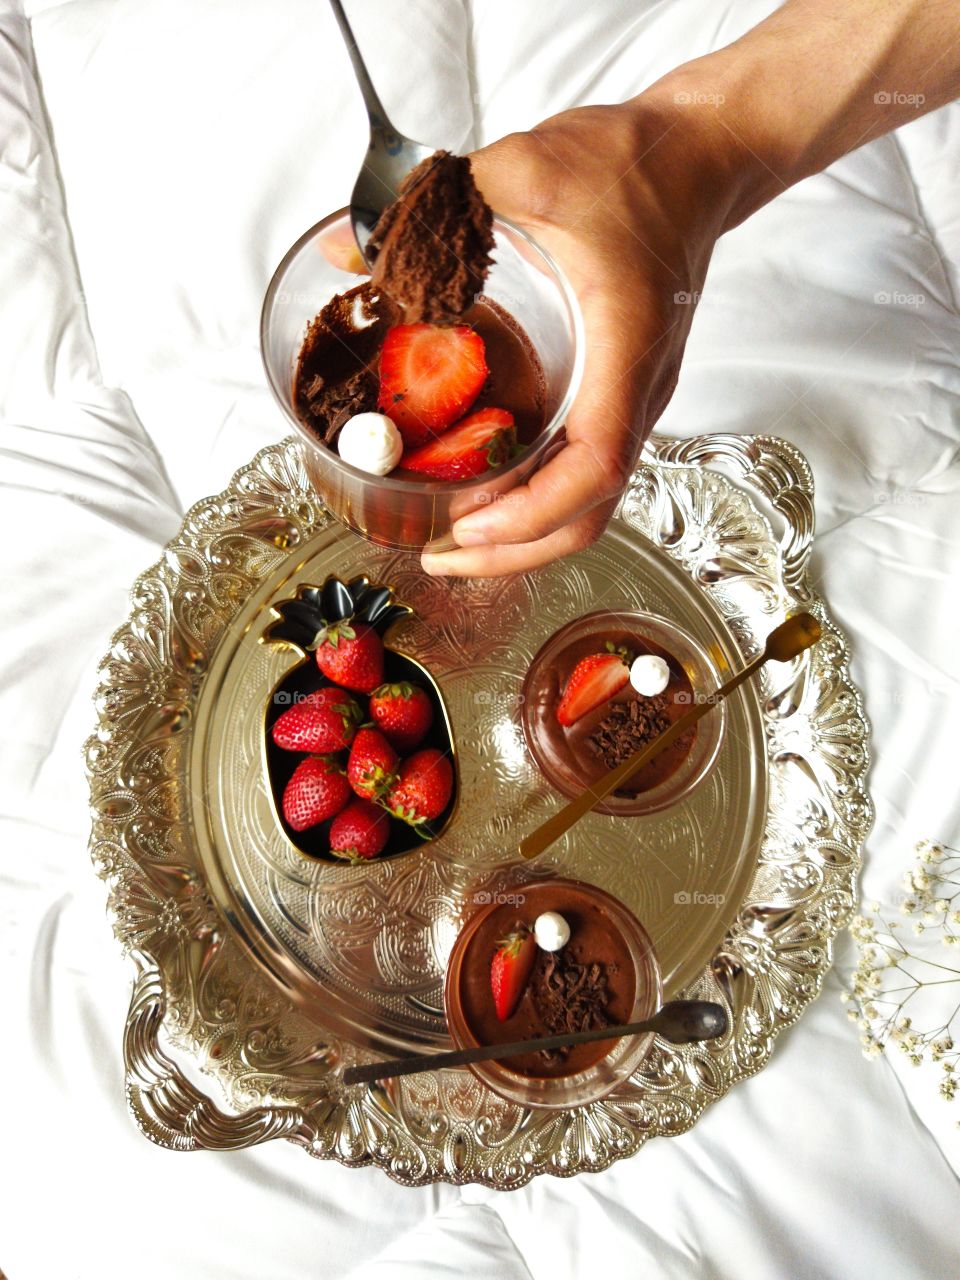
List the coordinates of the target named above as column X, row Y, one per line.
column 888, row 976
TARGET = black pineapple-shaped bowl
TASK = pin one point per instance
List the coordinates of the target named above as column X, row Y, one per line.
column 298, row 621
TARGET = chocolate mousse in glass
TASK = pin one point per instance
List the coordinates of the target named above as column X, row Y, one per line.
column 336, row 370
column 594, row 659
column 604, row 974
column 440, row 258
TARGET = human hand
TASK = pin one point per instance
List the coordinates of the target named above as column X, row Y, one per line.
column 631, row 199
column 628, row 201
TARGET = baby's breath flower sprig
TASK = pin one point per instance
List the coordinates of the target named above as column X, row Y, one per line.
column 882, row 995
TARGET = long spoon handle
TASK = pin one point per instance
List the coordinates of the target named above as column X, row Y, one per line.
column 680, row 1021
column 378, row 117
column 788, row 640
column 484, row 1053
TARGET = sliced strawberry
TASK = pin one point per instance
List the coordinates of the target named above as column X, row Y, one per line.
column 430, row 375
column 510, row 970
column 316, row 791
column 485, row 439
column 594, row 679
column 359, row 831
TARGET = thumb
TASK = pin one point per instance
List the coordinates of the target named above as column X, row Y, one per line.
column 339, row 246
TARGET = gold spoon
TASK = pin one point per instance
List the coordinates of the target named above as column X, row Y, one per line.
column 785, row 642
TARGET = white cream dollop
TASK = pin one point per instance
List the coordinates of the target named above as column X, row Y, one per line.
column 370, row 442
column 649, row 674
column 551, row 931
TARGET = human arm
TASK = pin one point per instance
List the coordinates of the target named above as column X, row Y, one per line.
column 631, row 199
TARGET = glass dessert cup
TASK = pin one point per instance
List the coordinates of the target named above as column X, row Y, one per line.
column 600, row 1077
column 405, row 513
column 539, row 700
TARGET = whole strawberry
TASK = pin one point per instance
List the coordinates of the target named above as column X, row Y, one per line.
column 323, row 721
column 316, row 791
column 423, row 787
column 403, row 712
column 359, row 831
column 372, row 766
column 350, row 655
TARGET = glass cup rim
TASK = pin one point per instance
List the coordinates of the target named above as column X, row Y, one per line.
column 669, row 792
column 431, row 487
column 589, row 1085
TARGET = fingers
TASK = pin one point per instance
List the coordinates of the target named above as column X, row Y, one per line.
column 580, row 477
column 512, row 176
column 605, row 429
column 497, row 560
column 340, row 249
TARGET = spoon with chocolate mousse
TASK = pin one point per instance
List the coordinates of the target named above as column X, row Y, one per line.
column 430, row 251
column 390, row 154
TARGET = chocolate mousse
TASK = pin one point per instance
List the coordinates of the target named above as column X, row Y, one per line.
column 404, row 343
column 431, row 248
column 609, row 733
column 591, row 981
column 337, row 377
column 336, row 373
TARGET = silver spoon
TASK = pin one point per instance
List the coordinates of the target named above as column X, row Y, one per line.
column 390, row 156
column 679, row 1021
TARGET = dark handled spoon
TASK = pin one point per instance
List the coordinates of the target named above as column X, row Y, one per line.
column 679, row 1021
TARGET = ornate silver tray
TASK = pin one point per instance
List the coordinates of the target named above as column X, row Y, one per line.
column 262, row 975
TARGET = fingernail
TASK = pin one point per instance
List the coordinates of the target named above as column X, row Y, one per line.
column 470, row 536
column 434, row 566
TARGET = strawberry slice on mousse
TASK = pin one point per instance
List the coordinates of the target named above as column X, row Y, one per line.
column 485, row 439
column 430, row 375
column 510, row 970
column 593, row 681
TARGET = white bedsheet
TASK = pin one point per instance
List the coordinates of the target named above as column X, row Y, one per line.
column 156, row 159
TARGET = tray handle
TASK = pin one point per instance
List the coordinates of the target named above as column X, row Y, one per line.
column 170, row 1110
column 775, row 470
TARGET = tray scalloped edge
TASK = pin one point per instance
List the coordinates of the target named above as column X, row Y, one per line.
column 770, row 966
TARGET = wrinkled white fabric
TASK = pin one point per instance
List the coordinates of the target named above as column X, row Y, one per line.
column 157, row 157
